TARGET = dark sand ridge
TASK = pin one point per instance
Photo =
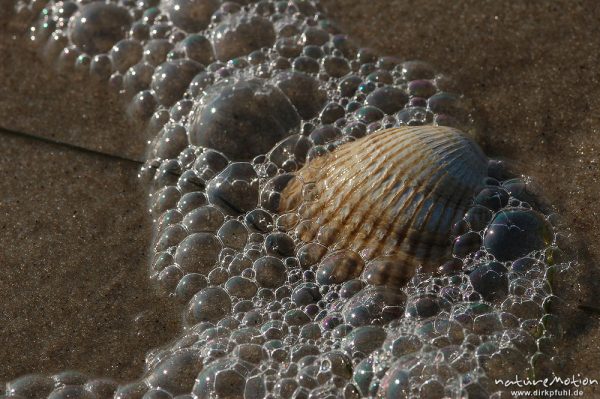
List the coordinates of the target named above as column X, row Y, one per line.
column 531, row 72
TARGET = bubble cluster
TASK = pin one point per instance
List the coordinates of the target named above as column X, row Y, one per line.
column 240, row 96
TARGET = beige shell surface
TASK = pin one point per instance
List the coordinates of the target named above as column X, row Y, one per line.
column 396, row 192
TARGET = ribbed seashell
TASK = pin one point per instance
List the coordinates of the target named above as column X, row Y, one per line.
column 395, row 193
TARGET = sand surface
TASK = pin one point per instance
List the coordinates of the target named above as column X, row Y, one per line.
column 530, row 68
column 74, row 239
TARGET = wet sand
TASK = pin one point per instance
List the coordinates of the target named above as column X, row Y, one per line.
column 529, row 67
column 74, row 239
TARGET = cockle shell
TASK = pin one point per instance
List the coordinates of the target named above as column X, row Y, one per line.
column 393, row 194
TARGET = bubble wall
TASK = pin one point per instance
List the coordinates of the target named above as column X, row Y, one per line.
column 323, row 214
